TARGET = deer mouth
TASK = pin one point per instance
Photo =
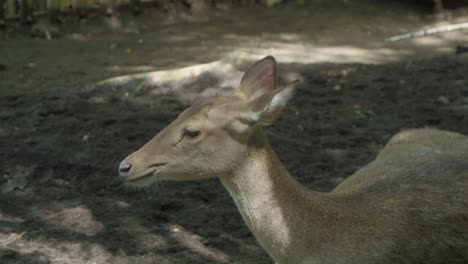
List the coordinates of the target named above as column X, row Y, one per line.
column 152, row 170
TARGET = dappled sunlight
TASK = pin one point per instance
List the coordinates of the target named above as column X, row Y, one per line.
column 428, row 41
column 161, row 77
column 448, row 39
column 66, row 252
column 305, row 54
column 287, row 47
column 297, row 49
column 290, row 36
column 9, row 233
column 148, row 239
column 186, row 83
column 444, row 49
column 77, row 219
column 182, row 38
column 196, row 244
column 127, row 69
column 209, row 79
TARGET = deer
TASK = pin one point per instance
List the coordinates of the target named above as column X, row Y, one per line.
column 409, row 205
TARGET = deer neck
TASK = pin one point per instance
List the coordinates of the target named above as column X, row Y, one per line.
column 272, row 203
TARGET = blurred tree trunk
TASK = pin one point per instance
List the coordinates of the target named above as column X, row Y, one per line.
column 2, row 13
column 27, row 16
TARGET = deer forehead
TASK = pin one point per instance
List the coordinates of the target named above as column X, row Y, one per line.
column 218, row 110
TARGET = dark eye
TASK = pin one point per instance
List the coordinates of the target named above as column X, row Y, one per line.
column 191, row 133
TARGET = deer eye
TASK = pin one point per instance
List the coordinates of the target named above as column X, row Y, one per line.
column 191, row 133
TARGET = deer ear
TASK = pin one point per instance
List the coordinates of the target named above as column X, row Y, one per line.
column 266, row 108
column 260, row 78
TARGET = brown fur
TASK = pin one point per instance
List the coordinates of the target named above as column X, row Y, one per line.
column 410, row 205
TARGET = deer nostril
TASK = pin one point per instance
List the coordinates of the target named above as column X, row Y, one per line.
column 124, row 169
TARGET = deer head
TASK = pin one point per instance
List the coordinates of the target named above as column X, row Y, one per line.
column 212, row 136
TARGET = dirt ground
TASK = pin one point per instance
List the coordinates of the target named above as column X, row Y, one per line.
column 63, row 131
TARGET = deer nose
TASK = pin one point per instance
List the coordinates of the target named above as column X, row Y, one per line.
column 124, row 169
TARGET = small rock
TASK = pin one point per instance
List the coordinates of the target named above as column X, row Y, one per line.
column 443, row 100
column 339, row 155
column 97, row 100
column 31, row 65
column 29, row 141
column 77, row 36
column 6, row 115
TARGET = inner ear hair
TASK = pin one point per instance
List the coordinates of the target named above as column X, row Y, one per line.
column 249, row 119
column 281, row 98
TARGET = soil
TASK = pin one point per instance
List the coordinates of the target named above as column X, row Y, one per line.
column 63, row 132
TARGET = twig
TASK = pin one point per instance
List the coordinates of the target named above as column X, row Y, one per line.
column 5, row 244
column 427, row 32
